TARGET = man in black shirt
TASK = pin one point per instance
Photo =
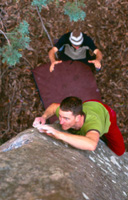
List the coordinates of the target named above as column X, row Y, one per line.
column 75, row 46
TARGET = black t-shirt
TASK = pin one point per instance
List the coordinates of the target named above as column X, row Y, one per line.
column 64, row 45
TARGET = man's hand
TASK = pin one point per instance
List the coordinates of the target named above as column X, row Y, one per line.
column 38, row 121
column 48, row 130
column 51, row 69
column 96, row 63
column 49, row 112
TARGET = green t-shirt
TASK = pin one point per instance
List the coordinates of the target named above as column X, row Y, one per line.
column 97, row 118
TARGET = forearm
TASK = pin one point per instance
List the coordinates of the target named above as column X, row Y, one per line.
column 98, row 55
column 50, row 111
column 88, row 142
column 77, row 141
column 52, row 54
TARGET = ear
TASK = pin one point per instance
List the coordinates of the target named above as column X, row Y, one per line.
column 78, row 117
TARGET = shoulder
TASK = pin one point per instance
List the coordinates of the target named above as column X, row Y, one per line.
column 92, row 123
column 66, row 35
column 57, row 110
column 86, row 37
column 88, row 41
column 64, row 39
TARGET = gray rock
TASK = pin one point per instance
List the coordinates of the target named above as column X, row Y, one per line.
column 34, row 166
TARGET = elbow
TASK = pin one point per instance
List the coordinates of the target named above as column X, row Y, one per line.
column 98, row 54
column 93, row 147
column 101, row 56
column 49, row 53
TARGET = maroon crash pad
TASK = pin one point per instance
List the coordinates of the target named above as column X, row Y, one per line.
column 69, row 78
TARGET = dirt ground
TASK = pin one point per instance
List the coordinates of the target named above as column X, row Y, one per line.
column 105, row 22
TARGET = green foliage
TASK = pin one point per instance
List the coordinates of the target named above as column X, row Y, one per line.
column 11, row 56
column 73, row 10
column 23, row 28
column 19, row 40
column 40, row 3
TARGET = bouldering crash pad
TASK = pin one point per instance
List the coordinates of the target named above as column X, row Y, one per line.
column 69, row 78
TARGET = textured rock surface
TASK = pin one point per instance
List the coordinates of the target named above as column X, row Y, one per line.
column 34, row 166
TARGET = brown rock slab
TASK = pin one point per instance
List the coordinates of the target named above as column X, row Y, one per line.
column 34, row 166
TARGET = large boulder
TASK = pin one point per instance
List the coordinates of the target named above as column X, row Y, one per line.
column 34, row 166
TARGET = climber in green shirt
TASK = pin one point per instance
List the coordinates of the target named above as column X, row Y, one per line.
column 85, row 122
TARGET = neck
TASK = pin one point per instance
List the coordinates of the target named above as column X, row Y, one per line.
column 80, row 123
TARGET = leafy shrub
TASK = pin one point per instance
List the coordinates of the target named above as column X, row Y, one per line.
column 19, row 40
column 73, row 10
column 40, row 3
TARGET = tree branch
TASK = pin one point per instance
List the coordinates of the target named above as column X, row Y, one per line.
column 5, row 37
column 44, row 26
column 45, row 30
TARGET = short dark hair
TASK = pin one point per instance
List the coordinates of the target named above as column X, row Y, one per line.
column 73, row 104
column 76, row 33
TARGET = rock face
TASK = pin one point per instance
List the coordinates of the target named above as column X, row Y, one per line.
column 34, row 166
